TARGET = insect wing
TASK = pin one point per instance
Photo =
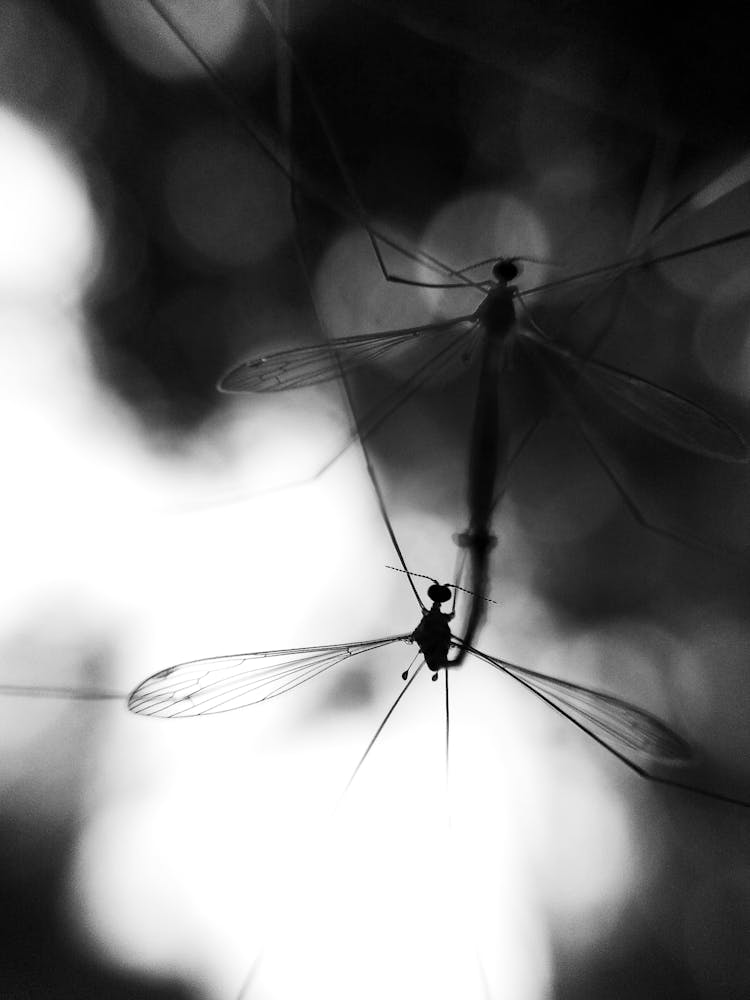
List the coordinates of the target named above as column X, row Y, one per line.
column 225, row 683
column 734, row 177
column 305, row 366
column 616, row 724
column 665, row 413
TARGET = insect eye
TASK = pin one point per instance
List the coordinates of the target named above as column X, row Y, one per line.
column 506, row 270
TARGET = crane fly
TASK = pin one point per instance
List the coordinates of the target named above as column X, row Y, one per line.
column 506, row 345
column 504, row 342
column 637, row 738
column 218, row 684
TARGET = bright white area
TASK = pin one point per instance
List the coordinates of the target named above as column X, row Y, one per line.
column 48, row 234
column 205, row 841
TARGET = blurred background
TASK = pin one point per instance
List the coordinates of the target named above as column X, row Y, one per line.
column 147, row 245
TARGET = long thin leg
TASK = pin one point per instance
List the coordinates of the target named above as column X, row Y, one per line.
column 344, row 380
column 447, row 731
column 423, row 372
column 461, row 279
column 514, row 456
column 662, row 164
column 398, row 397
column 636, row 511
column 273, row 150
column 628, row 500
column 637, row 768
column 639, row 262
column 251, row 975
column 257, row 961
column 380, row 729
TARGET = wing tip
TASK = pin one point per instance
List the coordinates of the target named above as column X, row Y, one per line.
column 677, row 751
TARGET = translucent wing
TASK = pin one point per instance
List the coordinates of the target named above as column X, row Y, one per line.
column 665, row 413
column 225, row 683
column 727, row 182
column 305, row 366
column 614, row 723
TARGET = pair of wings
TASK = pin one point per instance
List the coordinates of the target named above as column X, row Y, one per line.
column 225, row 683
column 220, row 684
column 666, row 414
column 640, row 740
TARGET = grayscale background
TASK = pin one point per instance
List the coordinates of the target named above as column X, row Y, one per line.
column 146, row 245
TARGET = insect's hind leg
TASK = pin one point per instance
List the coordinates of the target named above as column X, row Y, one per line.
column 635, row 509
column 460, row 280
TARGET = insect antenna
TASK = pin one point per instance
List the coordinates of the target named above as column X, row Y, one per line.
column 455, row 586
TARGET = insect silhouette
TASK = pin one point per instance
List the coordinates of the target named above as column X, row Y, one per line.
column 223, row 683
column 501, row 330
column 220, row 684
column 505, row 346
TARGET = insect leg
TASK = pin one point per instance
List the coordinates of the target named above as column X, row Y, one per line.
column 461, row 280
column 381, row 727
column 512, row 670
column 363, row 427
column 272, row 148
column 514, row 456
column 634, row 507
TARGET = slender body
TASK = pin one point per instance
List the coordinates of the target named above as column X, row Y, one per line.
column 489, row 446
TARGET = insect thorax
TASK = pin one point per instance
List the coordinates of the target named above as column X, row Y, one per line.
column 433, row 636
column 497, row 311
